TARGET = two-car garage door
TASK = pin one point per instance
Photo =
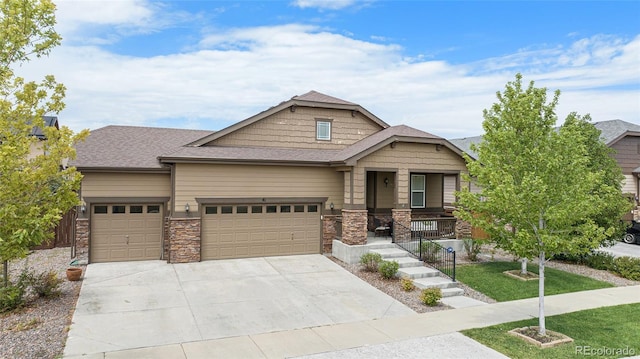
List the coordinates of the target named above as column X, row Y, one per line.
column 256, row 230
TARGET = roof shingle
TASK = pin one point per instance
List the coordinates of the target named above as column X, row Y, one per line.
column 131, row 147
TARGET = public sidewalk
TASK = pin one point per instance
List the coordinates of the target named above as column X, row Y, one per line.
column 437, row 330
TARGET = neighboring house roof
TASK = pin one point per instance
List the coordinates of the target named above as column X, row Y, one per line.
column 614, row 130
column 610, row 132
column 130, row 148
column 49, row 121
column 309, row 99
column 464, row 144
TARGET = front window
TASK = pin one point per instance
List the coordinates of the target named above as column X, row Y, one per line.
column 323, row 130
column 417, row 191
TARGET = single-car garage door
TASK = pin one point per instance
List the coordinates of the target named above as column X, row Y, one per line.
column 241, row 231
column 125, row 232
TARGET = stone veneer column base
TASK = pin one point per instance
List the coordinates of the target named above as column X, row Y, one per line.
column 402, row 217
column 82, row 240
column 329, row 231
column 354, row 226
column 184, row 240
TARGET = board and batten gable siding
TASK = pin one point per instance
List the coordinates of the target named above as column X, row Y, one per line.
column 126, row 185
column 298, row 130
column 252, row 181
column 628, row 153
column 406, row 158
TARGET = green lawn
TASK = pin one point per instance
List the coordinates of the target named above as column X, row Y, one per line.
column 489, row 279
column 603, row 329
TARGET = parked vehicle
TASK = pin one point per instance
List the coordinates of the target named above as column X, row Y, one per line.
column 633, row 233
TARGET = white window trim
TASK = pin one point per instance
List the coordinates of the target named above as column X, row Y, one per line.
column 423, row 191
column 318, row 124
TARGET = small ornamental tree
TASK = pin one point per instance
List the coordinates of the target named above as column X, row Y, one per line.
column 35, row 188
column 544, row 190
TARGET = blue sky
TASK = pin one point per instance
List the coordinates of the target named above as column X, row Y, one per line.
column 431, row 65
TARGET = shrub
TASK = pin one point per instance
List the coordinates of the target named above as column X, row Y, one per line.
column 431, row 296
column 45, row 284
column 370, row 261
column 430, row 252
column 571, row 258
column 11, row 297
column 627, row 267
column 472, row 247
column 388, row 269
column 407, row 284
column 599, row 260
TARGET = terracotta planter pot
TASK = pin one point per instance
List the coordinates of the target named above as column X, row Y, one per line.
column 74, row 273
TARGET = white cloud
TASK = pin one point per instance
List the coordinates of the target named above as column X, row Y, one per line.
column 106, row 21
column 324, row 4
column 236, row 73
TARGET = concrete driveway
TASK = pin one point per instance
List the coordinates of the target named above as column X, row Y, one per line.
column 152, row 303
column 622, row 249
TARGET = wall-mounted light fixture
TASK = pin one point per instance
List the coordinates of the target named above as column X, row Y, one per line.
column 83, row 208
column 186, row 208
column 386, row 181
column 331, row 206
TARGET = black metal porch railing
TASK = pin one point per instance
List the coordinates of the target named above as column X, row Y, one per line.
column 444, row 227
column 425, row 249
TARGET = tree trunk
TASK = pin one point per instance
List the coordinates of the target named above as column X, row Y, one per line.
column 541, row 318
column 5, row 272
column 523, row 266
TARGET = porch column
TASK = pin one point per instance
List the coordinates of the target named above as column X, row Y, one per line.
column 401, row 217
column 354, row 226
column 184, row 240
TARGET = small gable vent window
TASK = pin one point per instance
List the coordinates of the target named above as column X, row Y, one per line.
column 323, row 130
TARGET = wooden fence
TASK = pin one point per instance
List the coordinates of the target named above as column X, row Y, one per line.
column 64, row 232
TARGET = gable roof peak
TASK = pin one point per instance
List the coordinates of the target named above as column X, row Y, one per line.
column 315, row 96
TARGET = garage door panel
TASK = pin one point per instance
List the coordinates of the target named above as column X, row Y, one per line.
column 125, row 236
column 290, row 230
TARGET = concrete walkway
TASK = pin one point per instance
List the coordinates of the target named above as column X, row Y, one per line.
column 434, row 333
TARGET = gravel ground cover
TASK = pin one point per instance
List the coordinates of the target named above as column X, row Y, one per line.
column 411, row 299
column 39, row 330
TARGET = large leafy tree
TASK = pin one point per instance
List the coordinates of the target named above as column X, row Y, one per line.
column 35, row 187
column 544, row 190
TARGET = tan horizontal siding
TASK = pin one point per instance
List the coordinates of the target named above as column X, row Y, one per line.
column 449, row 189
column 243, row 181
column 629, row 184
column 385, row 195
column 126, row 185
column 298, row 130
column 408, row 157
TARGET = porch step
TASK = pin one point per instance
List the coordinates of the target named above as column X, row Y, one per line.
column 390, row 253
column 380, row 245
column 418, row 272
column 452, row 292
column 408, row 262
column 435, row 282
